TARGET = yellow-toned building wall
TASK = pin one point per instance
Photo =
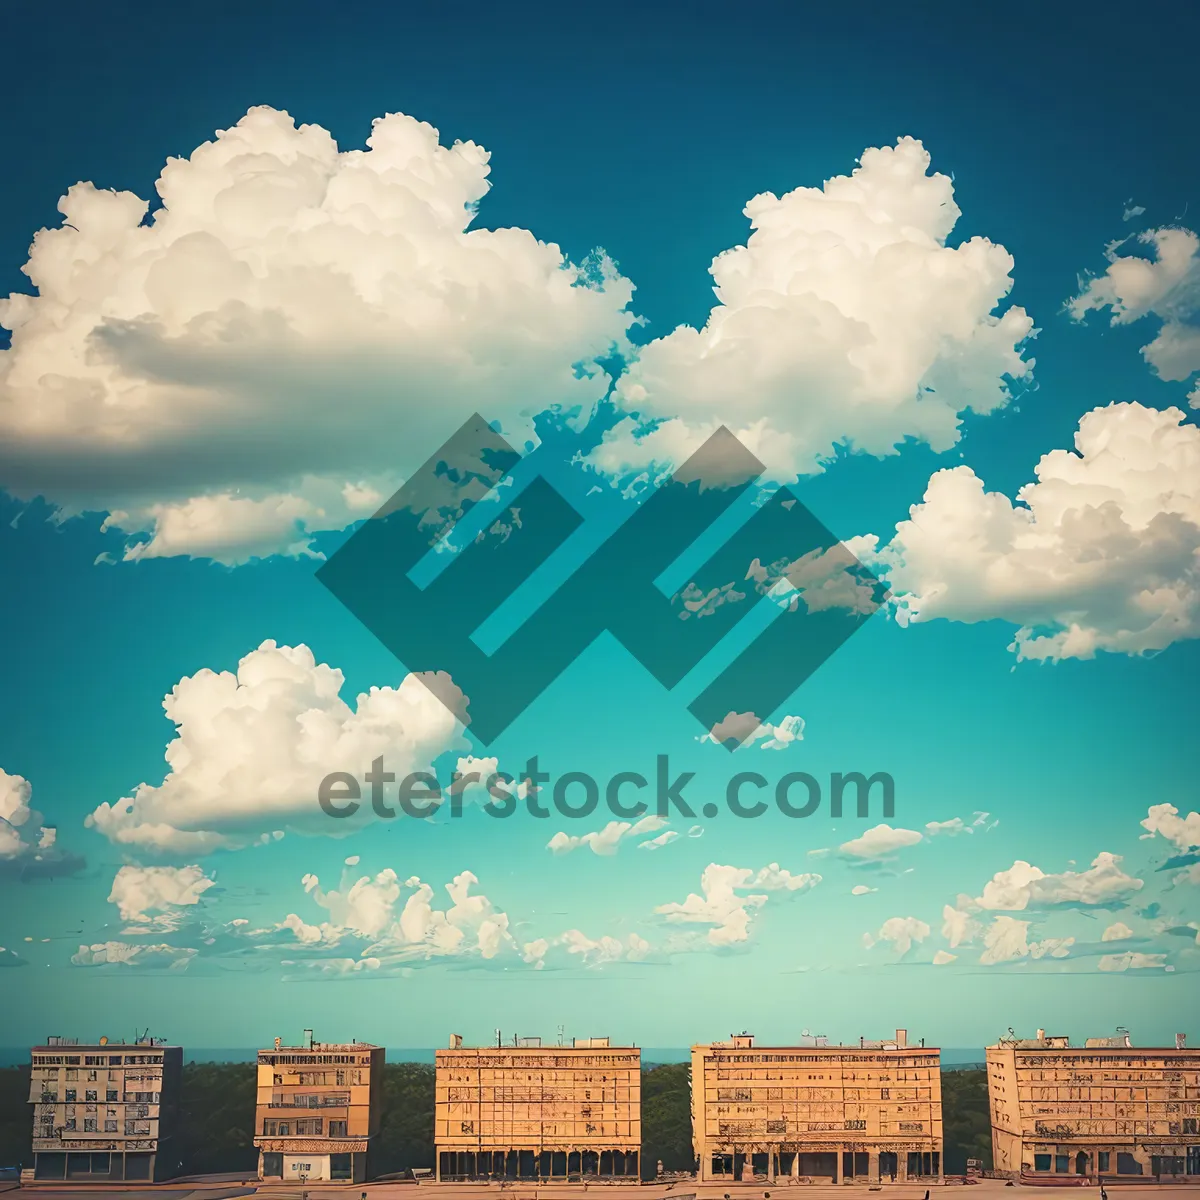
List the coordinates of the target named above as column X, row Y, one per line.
column 1059, row 1103
column 543, row 1098
column 763, row 1100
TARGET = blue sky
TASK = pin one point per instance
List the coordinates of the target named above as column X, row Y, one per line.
column 645, row 134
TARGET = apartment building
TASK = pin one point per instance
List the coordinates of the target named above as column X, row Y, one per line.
column 529, row 1111
column 1104, row 1108
column 318, row 1108
column 104, row 1111
column 818, row 1112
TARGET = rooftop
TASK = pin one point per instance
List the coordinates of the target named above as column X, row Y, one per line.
column 810, row 1041
column 104, row 1043
column 1060, row 1041
column 536, row 1043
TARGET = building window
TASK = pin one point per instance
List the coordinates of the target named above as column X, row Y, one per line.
column 89, row 1124
column 1102, row 1160
column 90, row 1095
column 309, row 1127
column 70, row 1095
column 1041, row 1162
column 110, row 1127
column 111, row 1095
column 338, row 1129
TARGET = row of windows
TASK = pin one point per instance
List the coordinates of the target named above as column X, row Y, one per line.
column 92, row 1096
column 303, row 1127
column 1111, row 1128
column 760, row 1093
column 341, row 1078
column 541, row 1065
column 313, row 1060
column 70, row 1125
column 95, row 1060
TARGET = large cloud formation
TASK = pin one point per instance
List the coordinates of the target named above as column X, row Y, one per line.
column 1165, row 286
column 844, row 319
column 724, row 905
column 265, row 353
column 295, row 327
column 1101, row 552
column 251, row 749
column 28, row 847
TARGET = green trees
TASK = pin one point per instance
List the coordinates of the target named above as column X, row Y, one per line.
column 666, row 1119
column 966, row 1122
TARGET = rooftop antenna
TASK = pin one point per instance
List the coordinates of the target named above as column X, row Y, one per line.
column 562, row 1035
column 499, row 1040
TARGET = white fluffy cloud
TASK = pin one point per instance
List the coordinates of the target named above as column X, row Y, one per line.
column 1166, row 286
column 1024, row 886
column 368, row 909
column 880, row 842
column 225, row 374
column 606, row 841
column 727, row 905
column 900, row 932
column 127, row 954
column 1102, row 552
column 1007, row 939
column 251, row 749
column 1182, row 832
column 844, row 319
column 139, row 892
column 1133, row 960
column 1118, row 931
column 592, row 952
column 958, row 926
column 942, row 957
column 27, row 845
column 746, row 730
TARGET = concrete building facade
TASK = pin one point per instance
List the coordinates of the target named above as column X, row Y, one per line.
column 104, row 1111
column 317, row 1110
column 1100, row 1109
column 815, row 1111
column 528, row 1111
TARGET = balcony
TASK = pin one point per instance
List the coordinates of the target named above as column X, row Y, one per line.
column 312, row 1100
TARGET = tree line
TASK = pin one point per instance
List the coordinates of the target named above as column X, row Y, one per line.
column 216, row 1127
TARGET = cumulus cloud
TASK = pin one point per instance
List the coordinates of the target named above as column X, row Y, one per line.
column 1118, row 931
column 252, row 747
column 880, row 842
column 744, row 730
column 1182, row 832
column 1007, row 939
column 726, row 904
column 139, row 892
column 574, row 945
column 844, row 319
column 958, row 926
column 861, row 889
column 127, row 954
column 222, row 375
column 1132, row 960
column 28, row 847
column 368, row 909
column 1164, row 286
column 606, row 841
column 668, row 836
column 942, row 957
column 900, row 932
column 1102, row 552
column 1024, row 886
